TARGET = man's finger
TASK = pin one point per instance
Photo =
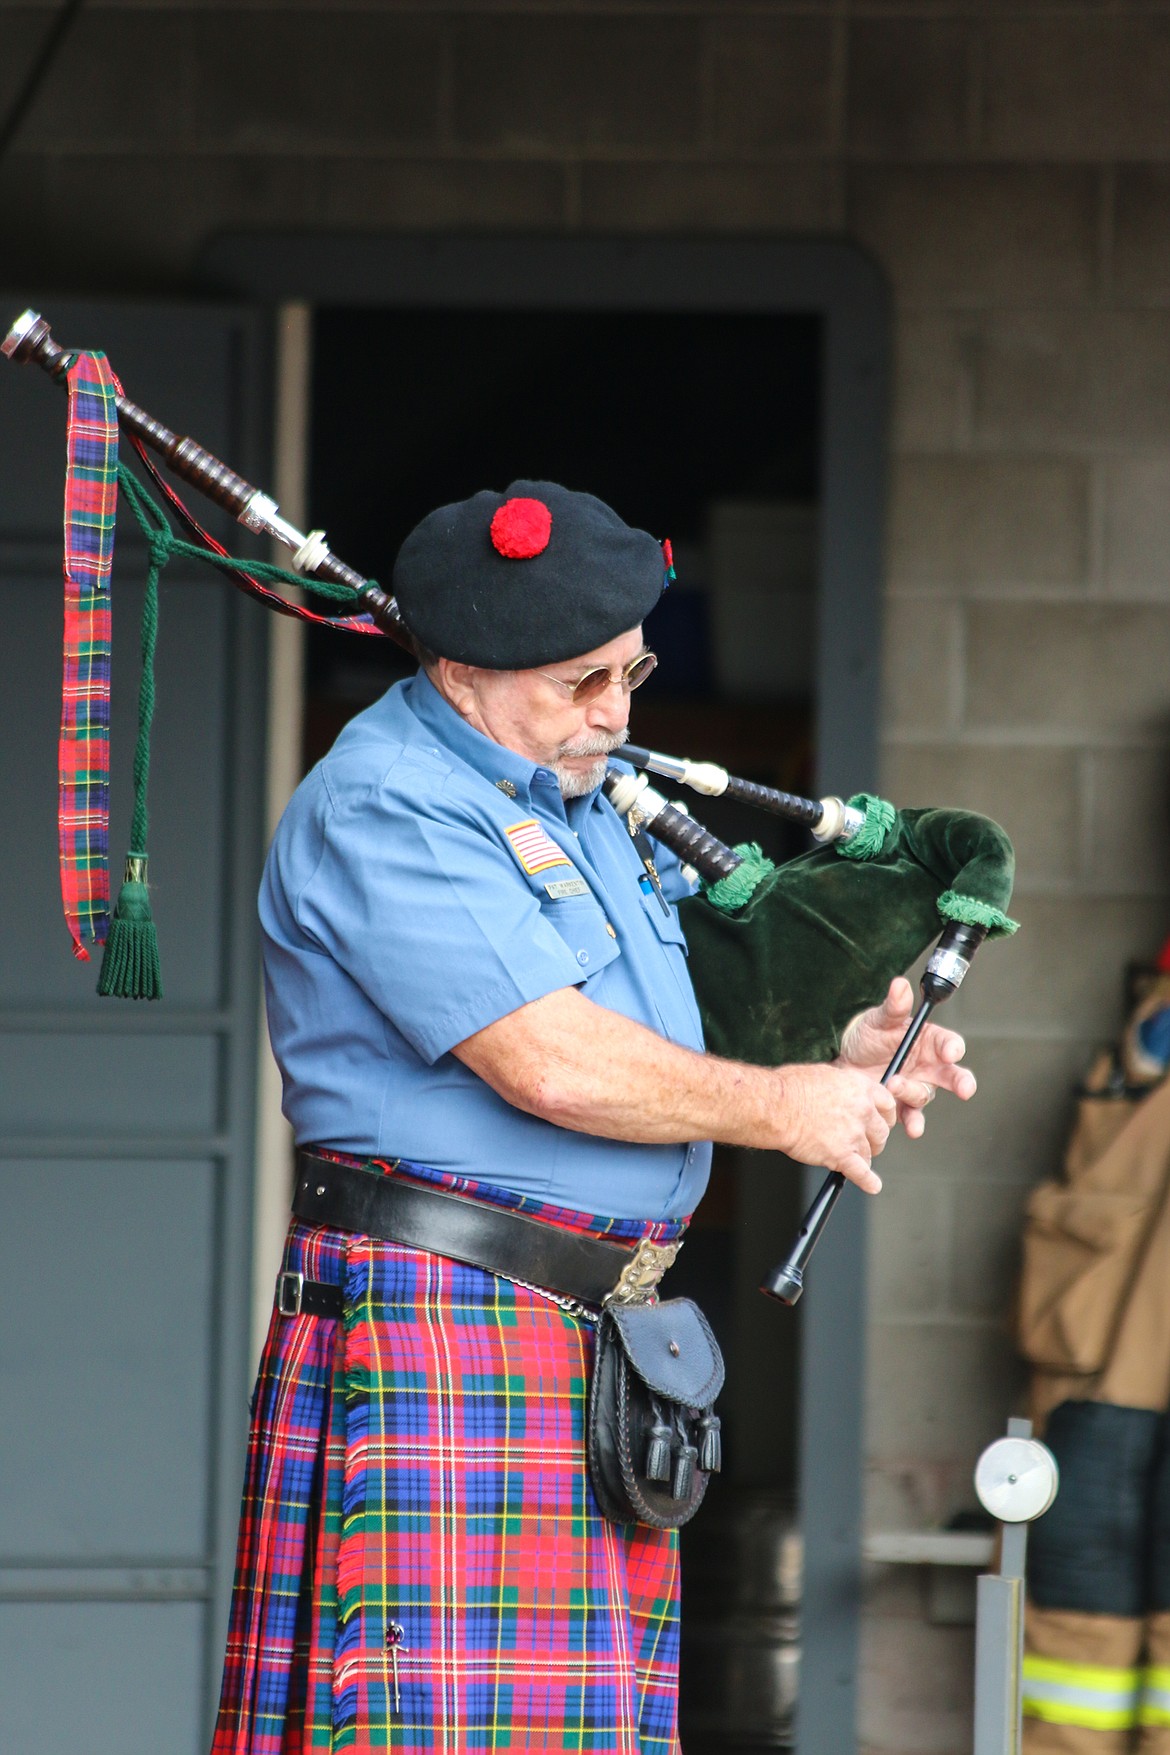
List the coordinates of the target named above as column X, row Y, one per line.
column 960, row 1081
column 912, row 1089
column 900, row 998
column 878, row 1132
column 861, row 1172
column 915, row 1092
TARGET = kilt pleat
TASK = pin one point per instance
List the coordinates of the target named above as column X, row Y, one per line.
column 418, row 1465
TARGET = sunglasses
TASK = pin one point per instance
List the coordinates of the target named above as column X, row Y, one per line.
column 595, row 682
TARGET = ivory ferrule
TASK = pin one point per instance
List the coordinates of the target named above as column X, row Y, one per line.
column 839, row 821
column 313, row 553
column 705, row 777
column 625, row 791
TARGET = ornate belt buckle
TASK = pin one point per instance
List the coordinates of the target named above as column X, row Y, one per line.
column 642, row 1272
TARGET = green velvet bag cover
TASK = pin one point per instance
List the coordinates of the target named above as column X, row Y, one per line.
column 818, row 939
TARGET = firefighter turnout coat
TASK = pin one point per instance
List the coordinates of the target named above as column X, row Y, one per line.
column 1095, row 1325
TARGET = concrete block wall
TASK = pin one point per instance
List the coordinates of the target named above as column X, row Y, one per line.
column 1008, row 164
column 1001, row 171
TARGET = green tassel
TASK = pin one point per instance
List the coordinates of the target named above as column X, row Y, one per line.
column 130, row 966
column 972, row 912
column 739, row 886
column 871, row 837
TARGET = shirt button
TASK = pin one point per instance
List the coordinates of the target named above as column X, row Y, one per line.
column 612, row 933
column 582, row 957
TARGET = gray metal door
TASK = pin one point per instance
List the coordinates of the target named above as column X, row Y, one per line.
column 126, row 1129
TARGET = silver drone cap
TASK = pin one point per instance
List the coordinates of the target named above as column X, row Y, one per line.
column 26, row 321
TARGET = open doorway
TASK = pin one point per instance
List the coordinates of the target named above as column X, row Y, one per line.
column 704, row 428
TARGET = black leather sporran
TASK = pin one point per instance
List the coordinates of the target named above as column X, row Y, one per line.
column 652, row 1436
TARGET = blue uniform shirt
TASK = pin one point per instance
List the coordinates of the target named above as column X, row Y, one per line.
column 424, row 882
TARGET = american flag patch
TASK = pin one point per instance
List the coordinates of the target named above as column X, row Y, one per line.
column 535, row 850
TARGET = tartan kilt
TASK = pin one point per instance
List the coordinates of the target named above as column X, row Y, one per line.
column 421, row 1462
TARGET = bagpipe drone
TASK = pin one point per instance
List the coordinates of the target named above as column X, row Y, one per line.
column 782, row 956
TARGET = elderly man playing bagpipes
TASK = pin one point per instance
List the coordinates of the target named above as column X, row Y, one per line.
column 509, row 1022
column 493, row 1060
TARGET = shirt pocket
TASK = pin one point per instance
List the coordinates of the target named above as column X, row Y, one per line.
column 665, row 921
column 588, row 935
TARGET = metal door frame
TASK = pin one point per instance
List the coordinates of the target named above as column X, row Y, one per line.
column 231, row 1141
column 837, row 282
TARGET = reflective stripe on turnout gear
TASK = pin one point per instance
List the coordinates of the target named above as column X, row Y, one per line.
column 1094, row 1695
column 1155, row 1695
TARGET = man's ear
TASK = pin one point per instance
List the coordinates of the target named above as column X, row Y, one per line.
column 456, row 682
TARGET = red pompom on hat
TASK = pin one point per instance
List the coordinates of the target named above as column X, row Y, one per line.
column 521, row 529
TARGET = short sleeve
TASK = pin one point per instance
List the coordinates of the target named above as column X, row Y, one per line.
column 432, row 918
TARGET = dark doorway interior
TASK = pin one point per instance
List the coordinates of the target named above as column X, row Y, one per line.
column 705, row 428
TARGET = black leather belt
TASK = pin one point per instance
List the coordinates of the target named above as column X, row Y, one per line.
column 296, row 1296
column 347, row 1198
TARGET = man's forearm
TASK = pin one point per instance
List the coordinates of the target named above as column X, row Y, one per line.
column 583, row 1067
column 594, row 1071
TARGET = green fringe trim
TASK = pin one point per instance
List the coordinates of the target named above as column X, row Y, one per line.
column 972, row 912
column 739, row 886
column 871, row 837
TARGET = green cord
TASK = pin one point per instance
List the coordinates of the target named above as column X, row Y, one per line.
column 130, row 967
column 145, row 509
column 138, row 825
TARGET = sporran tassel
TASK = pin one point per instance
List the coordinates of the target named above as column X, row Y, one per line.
column 710, row 1444
column 684, row 1471
column 658, row 1450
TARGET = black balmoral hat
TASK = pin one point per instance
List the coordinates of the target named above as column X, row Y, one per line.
column 527, row 577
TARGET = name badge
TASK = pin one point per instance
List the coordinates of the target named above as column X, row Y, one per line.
column 575, row 886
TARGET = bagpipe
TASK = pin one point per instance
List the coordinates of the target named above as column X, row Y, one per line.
column 782, row 956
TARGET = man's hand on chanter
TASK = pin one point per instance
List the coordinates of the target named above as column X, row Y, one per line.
column 837, row 1116
column 869, row 1044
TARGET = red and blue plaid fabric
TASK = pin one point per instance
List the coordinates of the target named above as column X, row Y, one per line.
column 83, row 749
column 421, row 1462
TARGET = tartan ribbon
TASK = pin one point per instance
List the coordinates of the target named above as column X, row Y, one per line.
column 83, row 749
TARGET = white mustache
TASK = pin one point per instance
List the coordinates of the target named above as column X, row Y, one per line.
column 597, row 743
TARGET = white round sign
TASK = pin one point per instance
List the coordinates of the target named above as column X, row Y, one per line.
column 1016, row 1479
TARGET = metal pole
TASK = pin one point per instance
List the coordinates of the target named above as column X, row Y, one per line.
column 1016, row 1480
